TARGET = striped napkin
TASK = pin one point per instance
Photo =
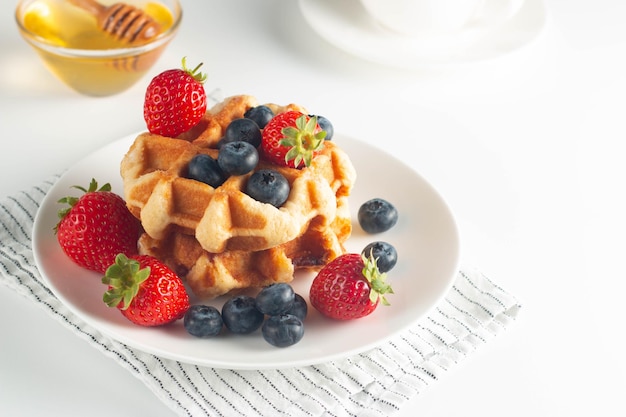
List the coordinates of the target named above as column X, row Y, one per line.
column 375, row 383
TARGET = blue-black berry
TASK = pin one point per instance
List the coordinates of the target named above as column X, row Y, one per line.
column 282, row 331
column 203, row 321
column 384, row 253
column 268, row 186
column 299, row 308
column 261, row 115
column 275, row 299
column 243, row 129
column 377, row 215
column 205, row 169
column 240, row 315
column 237, row 158
column 326, row 126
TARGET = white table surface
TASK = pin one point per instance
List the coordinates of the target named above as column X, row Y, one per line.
column 525, row 148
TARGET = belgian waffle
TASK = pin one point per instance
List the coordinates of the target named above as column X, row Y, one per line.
column 210, row 275
column 221, row 238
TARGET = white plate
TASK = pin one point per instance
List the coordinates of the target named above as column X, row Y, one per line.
column 345, row 24
column 425, row 237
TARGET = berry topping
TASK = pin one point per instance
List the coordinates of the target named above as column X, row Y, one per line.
column 243, row 129
column 260, row 114
column 146, row 291
column 268, row 186
column 203, row 321
column 237, row 158
column 377, row 215
column 384, row 253
column 205, row 169
column 175, row 101
column 277, row 310
column 299, row 307
column 326, row 126
column 349, row 287
column 292, row 139
column 241, row 316
column 96, row 227
column 275, row 299
column 283, row 330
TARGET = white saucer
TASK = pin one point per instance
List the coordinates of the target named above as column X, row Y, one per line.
column 345, row 24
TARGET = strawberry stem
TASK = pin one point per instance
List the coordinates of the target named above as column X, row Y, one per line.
column 198, row 76
column 302, row 140
column 377, row 280
column 124, row 279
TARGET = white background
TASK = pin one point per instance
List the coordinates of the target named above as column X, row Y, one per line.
column 527, row 150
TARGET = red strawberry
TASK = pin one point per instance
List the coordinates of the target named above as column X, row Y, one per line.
column 349, row 287
column 146, row 291
column 96, row 227
column 292, row 139
column 175, row 101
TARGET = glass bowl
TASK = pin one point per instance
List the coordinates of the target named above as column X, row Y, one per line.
column 84, row 56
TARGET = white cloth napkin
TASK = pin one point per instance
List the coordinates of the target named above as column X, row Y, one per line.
column 375, row 383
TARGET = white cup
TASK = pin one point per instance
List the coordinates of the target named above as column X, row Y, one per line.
column 428, row 18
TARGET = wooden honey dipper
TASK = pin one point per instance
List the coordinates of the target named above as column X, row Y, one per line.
column 125, row 22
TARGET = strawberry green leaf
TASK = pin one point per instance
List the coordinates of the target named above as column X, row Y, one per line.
column 198, row 76
column 302, row 140
column 377, row 280
column 124, row 279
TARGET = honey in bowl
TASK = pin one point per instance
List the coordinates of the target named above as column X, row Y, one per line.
column 82, row 54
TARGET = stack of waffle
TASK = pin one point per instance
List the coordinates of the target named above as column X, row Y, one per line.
column 220, row 239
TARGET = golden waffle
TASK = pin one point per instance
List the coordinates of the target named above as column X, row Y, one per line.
column 221, row 239
column 157, row 192
column 210, row 275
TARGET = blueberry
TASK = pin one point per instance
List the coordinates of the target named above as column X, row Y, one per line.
column 275, row 299
column 237, row 158
column 205, row 169
column 282, row 331
column 384, row 253
column 243, row 129
column 240, row 315
column 203, row 321
column 260, row 114
column 326, row 126
column 268, row 186
column 299, row 307
column 377, row 215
